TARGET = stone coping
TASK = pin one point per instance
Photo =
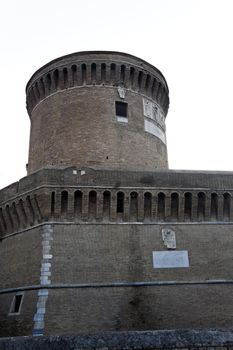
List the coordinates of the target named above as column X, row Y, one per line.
column 160, row 339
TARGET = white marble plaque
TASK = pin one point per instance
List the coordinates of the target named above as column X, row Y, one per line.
column 122, row 119
column 148, row 109
column 153, row 129
column 169, row 238
column 121, row 92
column 154, row 112
column 170, row 259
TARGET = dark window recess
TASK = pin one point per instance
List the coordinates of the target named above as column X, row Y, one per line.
column 120, row 202
column 16, row 304
column 121, row 109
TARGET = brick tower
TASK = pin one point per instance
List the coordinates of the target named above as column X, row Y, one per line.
column 93, row 108
column 100, row 235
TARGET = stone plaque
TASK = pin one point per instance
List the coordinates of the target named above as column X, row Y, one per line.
column 170, row 259
column 148, row 109
column 121, row 92
column 153, row 112
column 153, row 129
column 169, row 238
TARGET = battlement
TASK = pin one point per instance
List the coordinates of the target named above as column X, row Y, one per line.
column 97, row 68
column 72, row 195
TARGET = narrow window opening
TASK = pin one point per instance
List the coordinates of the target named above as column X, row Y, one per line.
column 106, row 205
column 226, row 206
column 37, row 90
column 121, row 111
column 140, row 80
column 74, row 74
column 133, row 206
column 52, row 203
column 147, row 205
column 32, row 92
column 21, row 206
column 16, row 304
column 113, row 73
column 174, row 206
column 42, row 87
column 48, row 82
column 56, row 78
column 38, row 215
column 93, row 73
column 163, row 95
column 65, row 77
column 147, row 83
column 15, row 214
column 78, row 199
column 84, row 73
column 122, row 75
column 3, row 219
column 131, row 74
column 153, row 88
column 30, row 209
column 92, row 205
column 187, row 206
column 201, row 206
column 159, row 92
column 9, row 217
column 64, row 202
column 120, row 202
column 161, row 206
column 103, row 73
column 214, row 206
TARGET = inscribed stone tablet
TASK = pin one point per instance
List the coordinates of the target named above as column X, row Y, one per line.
column 170, row 259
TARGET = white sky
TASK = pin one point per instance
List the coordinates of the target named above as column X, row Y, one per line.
column 190, row 41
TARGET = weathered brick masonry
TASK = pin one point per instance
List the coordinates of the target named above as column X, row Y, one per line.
column 71, row 101
column 100, row 235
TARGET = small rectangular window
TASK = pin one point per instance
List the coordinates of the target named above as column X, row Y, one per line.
column 121, row 111
column 16, row 304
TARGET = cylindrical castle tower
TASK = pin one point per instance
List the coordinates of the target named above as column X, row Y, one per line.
column 98, row 108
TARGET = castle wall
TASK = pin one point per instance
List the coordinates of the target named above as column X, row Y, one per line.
column 20, row 259
column 18, row 324
column 127, row 309
column 102, row 277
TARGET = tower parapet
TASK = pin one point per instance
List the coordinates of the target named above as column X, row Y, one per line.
column 98, row 109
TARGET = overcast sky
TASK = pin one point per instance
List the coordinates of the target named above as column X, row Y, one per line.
column 190, row 41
